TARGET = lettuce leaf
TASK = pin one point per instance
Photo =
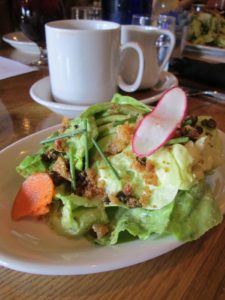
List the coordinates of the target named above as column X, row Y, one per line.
column 121, row 108
column 31, row 164
column 75, row 215
column 188, row 217
column 127, row 100
column 138, row 222
column 195, row 212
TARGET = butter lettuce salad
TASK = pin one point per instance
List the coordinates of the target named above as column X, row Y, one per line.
column 107, row 194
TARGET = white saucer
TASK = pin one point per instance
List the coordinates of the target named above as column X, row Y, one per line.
column 41, row 93
column 19, row 41
column 166, row 81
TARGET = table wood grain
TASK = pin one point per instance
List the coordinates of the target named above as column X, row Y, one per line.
column 196, row 270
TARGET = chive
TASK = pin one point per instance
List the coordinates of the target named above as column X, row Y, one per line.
column 179, row 140
column 119, row 122
column 72, row 166
column 105, row 158
column 86, row 145
column 62, row 136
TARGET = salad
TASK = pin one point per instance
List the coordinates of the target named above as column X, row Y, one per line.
column 207, row 28
column 87, row 181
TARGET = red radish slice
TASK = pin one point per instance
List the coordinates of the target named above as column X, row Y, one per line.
column 158, row 126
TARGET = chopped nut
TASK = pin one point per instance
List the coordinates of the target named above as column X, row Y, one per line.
column 106, row 200
column 91, row 189
column 61, row 168
column 49, row 156
column 125, row 132
column 122, row 197
column 57, row 178
column 190, row 120
column 136, row 165
column 133, row 203
column 65, row 124
column 151, row 178
column 115, row 147
column 184, row 131
column 199, row 129
column 210, row 123
column 100, row 229
column 59, row 145
column 141, row 160
column 145, row 197
column 193, row 134
column 113, row 199
column 150, row 166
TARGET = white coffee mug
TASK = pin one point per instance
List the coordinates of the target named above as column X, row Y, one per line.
column 146, row 36
column 84, row 58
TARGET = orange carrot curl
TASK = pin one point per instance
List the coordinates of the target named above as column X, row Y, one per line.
column 33, row 197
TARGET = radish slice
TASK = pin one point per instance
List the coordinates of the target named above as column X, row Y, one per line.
column 158, row 126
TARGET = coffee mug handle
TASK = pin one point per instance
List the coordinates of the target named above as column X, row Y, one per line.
column 170, row 48
column 134, row 86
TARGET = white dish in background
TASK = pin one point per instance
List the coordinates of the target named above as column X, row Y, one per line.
column 19, row 41
column 205, row 50
column 30, row 246
column 41, row 93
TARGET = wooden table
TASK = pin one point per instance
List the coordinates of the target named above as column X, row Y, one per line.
column 196, row 270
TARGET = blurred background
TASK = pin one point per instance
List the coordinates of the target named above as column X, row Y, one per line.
column 139, row 12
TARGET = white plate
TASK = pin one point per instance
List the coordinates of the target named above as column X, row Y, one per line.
column 19, row 41
column 41, row 93
column 30, row 246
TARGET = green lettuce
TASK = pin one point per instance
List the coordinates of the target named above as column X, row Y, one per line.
column 189, row 216
column 137, row 222
column 74, row 215
column 127, row 100
column 102, row 120
column 31, row 164
column 195, row 212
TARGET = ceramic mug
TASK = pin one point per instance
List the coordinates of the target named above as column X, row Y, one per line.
column 84, row 58
column 146, row 37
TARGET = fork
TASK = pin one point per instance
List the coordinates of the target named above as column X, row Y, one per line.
column 207, row 93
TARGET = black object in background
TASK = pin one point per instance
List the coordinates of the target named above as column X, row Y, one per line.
column 34, row 14
column 121, row 11
column 203, row 72
column 6, row 22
